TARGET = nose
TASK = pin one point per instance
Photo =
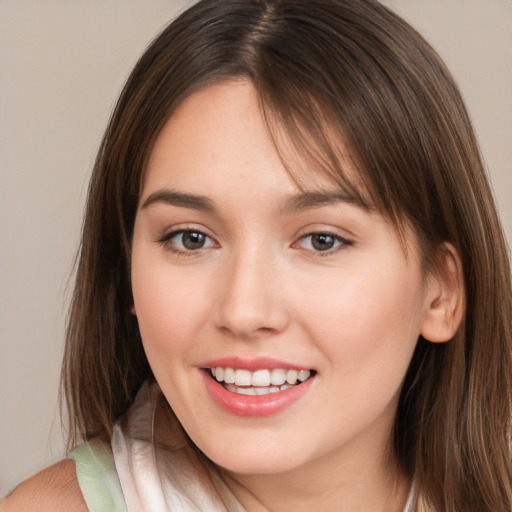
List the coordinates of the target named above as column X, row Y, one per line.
column 251, row 302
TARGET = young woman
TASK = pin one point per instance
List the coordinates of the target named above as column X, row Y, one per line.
column 293, row 290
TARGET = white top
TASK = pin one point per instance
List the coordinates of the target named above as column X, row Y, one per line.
column 157, row 467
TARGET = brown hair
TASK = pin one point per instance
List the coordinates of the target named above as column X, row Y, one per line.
column 355, row 69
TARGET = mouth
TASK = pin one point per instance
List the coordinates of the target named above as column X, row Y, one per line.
column 260, row 382
column 257, row 387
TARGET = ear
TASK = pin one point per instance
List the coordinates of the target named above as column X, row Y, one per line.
column 132, row 310
column 445, row 298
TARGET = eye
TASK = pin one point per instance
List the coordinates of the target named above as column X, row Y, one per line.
column 187, row 240
column 322, row 242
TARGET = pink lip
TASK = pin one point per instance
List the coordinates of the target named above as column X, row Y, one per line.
column 254, row 406
column 259, row 363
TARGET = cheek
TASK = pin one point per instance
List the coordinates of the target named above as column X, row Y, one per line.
column 367, row 330
column 366, row 318
column 169, row 308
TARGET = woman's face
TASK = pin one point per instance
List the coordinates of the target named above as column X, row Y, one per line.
column 235, row 268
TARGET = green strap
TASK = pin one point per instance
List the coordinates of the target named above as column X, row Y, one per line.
column 98, row 478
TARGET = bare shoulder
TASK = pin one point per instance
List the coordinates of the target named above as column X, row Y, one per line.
column 53, row 489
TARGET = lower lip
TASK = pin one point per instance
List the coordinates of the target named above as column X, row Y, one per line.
column 254, row 406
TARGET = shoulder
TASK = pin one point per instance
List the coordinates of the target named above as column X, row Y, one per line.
column 54, row 489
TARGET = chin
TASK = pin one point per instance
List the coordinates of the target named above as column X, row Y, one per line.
column 253, row 460
column 251, row 466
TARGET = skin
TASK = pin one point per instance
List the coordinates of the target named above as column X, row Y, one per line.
column 54, row 489
column 259, row 288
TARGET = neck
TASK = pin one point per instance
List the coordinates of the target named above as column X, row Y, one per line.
column 357, row 484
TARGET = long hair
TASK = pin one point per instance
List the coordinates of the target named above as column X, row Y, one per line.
column 326, row 71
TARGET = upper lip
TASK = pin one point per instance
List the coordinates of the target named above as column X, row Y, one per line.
column 258, row 363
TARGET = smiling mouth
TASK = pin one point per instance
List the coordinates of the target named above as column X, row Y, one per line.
column 259, row 382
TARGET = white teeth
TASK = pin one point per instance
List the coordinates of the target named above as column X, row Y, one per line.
column 229, row 375
column 260, row 378
column 278, row 377
column 246, row 391
column 303, row 375
column 243, row 377
column 256, row 391
column 291, row 376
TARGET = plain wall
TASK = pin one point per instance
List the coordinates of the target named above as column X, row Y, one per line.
column 62, row 65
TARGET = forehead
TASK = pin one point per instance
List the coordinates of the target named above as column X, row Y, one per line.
column 224, row 128
column 214, row 143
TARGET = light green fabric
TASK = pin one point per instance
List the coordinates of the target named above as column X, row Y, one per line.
column 98, row 478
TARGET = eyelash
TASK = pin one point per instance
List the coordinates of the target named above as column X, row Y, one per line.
column 166, row 241
column 166, row 238
column 343, row 243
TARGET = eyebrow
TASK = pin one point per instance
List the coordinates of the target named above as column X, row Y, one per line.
column 317, row 199
column 182, row 199
column 303, row 201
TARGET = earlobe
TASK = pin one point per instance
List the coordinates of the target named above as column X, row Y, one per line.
column 445, row 298
column 132, row 310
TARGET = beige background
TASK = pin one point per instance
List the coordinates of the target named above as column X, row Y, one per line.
column 62, row 64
